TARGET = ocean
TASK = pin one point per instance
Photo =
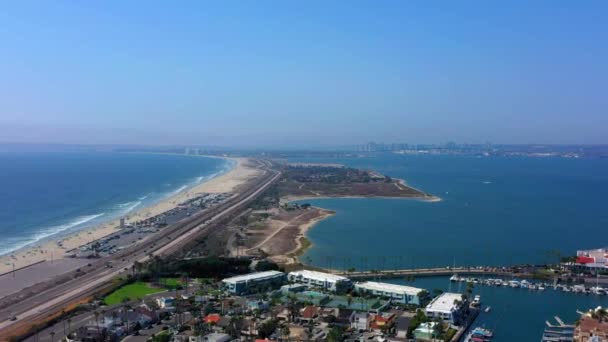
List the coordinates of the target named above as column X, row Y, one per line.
column 494, row 211
column 46, row 195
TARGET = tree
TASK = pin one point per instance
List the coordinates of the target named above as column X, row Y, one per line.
column 437, row 292
column 423, row 294
column 285, row 332
column 418, row 319
column 439, row 328
column 266, row 329
column 293, row 307
column 336, row 334
column 97, row 323
column 126, row 309
column 602, row 314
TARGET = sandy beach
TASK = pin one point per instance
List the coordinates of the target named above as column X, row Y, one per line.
column 301, row 242
column 56, row 249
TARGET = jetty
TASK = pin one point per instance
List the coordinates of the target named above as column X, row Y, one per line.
column 429, row 272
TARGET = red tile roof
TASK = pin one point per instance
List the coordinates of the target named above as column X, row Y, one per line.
column 309, row 312
column 212, row 318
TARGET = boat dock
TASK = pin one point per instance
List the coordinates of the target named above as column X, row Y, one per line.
column 533, row 286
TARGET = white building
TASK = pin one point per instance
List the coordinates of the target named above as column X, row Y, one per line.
column 400, row 293
column 326, row 281
column 594, row 258
column 254, row 282
column 359, row 321
column 165, row 302
column 447, row 306
column 216, row 337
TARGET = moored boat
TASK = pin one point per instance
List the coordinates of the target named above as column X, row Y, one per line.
column 479, row 335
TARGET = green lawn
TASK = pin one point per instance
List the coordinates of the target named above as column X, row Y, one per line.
column 132, row 291
column 171, row 283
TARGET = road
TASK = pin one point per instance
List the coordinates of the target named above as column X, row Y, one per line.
column 38, row 306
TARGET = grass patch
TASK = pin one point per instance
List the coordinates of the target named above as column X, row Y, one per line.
column 543, row 274
column 450, row 334
column 133, row 291
column 171, row 283
column 304, row 245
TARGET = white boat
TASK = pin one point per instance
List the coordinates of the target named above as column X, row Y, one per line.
column 514, row 283
column 488, row 309
column 476, row 300
column 540, row 288
column 579, row 289
column 454, row 278
column 479, row 335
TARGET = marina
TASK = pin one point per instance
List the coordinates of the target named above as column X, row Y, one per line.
column 533, row 286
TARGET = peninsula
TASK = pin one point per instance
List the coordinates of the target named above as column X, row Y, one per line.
column 276, row 227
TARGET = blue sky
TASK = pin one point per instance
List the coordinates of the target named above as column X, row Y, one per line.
column 303, row 72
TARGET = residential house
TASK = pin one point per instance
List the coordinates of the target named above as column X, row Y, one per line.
column 166, row 303
column 359, row 321
column 309, row 313
column 448, row 307
column 216, row 337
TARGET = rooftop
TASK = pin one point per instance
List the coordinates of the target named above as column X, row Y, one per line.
column 253, row 276
column 318, row 275
column 386, row 287
column 444, row 302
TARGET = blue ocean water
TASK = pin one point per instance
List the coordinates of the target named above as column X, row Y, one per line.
column 494, row 210
column 46, row 194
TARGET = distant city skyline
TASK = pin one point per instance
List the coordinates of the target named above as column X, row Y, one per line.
column 311, row 74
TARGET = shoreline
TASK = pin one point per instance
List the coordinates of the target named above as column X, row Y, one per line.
column 430, row 199
column 303, row 243
column 55, row 248
column 426, row 197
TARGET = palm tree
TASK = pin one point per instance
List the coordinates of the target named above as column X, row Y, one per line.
column 127, row 307
column 602, row 314
column 97, row 322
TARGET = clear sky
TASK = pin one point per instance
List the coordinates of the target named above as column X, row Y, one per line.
column 303, row 72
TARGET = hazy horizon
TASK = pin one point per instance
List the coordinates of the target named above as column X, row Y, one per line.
column 303, row 74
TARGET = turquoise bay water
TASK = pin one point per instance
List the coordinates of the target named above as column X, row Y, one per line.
column 49, row 194
column 495, row 211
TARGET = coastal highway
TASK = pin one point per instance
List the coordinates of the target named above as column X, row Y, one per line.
column 35, row 307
